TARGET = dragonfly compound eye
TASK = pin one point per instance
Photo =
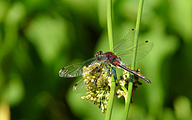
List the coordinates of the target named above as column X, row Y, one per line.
column 98, row 53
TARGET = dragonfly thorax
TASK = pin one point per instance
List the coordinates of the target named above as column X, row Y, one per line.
column 112, row 58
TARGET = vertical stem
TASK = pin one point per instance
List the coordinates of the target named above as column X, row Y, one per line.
column 130, row 87
column 109, row 24
column 110, row 38
column 138, row 23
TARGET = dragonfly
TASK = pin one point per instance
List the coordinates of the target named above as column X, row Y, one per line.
column 121, row 55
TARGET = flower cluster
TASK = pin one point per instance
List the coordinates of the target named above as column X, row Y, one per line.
column 124, row 82
column 97, row 85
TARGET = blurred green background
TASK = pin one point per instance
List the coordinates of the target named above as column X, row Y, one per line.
column 39, row 37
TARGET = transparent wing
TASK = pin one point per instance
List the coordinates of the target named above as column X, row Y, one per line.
column 75, row 70
column 79, row 87
column 142, row 50
column 126, row 43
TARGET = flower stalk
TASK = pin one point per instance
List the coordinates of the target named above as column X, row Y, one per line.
column 130, row 86
column 110, row 38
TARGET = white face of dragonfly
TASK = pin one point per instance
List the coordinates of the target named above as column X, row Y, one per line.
column 101, row 56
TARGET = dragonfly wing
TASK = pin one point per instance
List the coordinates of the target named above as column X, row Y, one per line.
column 79, row 87
column 126, row 43
column 142, row 50
column 75, row 70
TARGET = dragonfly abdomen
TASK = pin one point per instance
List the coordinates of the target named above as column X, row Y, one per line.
column 135, row 73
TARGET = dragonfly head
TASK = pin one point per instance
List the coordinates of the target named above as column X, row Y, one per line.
column 99, row 55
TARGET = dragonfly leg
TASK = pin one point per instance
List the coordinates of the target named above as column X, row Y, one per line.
column 113, row 70
column 101, row 65
column 95, row 81
column 108, row 69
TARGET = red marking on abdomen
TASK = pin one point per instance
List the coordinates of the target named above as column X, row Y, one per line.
column 117, row 63
column 139, row 74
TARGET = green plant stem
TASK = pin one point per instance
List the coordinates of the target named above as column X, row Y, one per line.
column 138, row 23
column 110, row 38
column 109, row 24
column 130, row 87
